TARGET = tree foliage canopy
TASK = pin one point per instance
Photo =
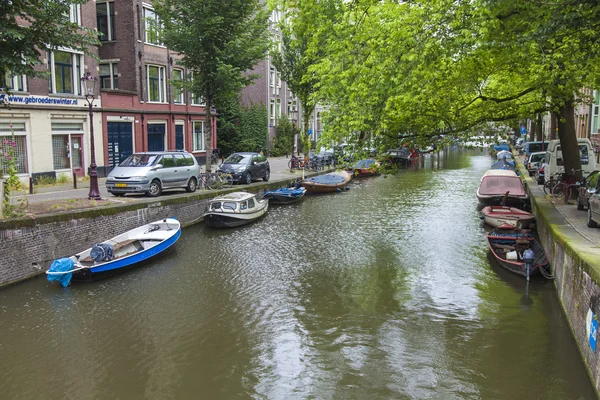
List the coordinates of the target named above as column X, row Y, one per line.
column 219, row 41
column 30, row 26
column 426, row 67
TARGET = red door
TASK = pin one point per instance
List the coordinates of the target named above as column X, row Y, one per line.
column 77, row 155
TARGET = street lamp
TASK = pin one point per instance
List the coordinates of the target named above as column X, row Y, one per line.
column 88, row 83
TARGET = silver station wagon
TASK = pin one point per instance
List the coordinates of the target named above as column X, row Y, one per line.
column 153, row 172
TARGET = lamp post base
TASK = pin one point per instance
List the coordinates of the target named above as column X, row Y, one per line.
column 94, row 193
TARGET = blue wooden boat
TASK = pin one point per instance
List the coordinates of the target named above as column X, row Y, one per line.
column 285, row 195
column 119, row 253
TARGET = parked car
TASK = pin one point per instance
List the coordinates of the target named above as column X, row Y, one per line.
column 593, row 213
column 245, row 167
column 153, row 172
column 534, row 161
column 587, row 188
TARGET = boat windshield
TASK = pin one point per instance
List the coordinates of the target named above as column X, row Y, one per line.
column 224, row 205
column 238, row 159
column 139, row 160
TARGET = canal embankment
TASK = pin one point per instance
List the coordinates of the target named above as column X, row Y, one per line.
column 574, row 251
column 29, row 245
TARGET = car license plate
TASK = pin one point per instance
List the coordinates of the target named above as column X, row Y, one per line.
column 120, row 184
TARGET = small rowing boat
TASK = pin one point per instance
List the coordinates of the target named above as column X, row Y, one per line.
column 327, row 183
column 118, row 253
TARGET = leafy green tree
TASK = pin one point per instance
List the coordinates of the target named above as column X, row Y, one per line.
column 282, row 143
column 414, row 70
column 28, row 27
column 304, row 30
column 218, row 40
column 254, row 125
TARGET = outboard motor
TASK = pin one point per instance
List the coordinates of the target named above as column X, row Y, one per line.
column 528, row 258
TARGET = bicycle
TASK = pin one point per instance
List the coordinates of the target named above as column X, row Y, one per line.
column 567, row 187
column 550, row 183
column 215, row 180
column 296, row 163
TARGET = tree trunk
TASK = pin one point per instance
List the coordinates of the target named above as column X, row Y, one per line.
column 531, row 130
column 208, row 134
column 568, row 140
column 539, row 134
column 553, row 119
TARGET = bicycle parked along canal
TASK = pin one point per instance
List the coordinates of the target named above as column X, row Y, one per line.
column 215, row 180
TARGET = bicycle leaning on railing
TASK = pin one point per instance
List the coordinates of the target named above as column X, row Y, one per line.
column 567, row 186
column 215, row 180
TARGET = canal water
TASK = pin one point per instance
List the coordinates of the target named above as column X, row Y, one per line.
column 385, row 291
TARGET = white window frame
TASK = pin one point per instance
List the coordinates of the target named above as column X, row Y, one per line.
column 147, row 25
column 74, row 15
column 110, row 5
column 198, row 101
column 195, row 145
column 13, row 81
column 111, row 68
column 277, row 109
column 178, row 98
column 77, row 73
column 272, row 111
column 162, row 87
column 272, row 75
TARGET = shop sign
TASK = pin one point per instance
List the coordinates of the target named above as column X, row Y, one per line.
column 14, row 99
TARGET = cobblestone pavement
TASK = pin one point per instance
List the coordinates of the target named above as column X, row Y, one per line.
column 279, row 172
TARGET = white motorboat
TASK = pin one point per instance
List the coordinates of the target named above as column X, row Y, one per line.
column 235, row 209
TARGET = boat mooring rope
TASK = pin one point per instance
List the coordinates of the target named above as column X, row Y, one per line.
column 546, row 274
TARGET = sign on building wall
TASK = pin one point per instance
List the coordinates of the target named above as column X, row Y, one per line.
column 14, row 99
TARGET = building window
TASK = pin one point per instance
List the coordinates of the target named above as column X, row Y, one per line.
column 198, row 137
column 278, row 109
column 73, row 15
column 15, row 83
column 65, row 70
column 13, row 139
column 177, row 93
column 152, row 26
column 198, row 100
column 60, row 151
column 109, row 76
column 272, row 111
column 105, row 19
column 156, row 83
column 272, row 77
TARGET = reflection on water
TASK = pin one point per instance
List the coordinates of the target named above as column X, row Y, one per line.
column 384, row 291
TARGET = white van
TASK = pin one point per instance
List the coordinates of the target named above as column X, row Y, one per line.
column 553, row 163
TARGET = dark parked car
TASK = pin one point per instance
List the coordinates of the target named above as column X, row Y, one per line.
column 587, row 189
column 245, row 167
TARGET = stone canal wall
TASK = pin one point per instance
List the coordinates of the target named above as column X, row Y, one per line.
column 576, row 265
column 28, row 246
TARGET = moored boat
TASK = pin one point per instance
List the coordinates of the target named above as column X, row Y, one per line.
column 362, row 168
column 517, row 250
column 327, row 183
column 505, row 190
column 235, row 209
column 285, row 195
column 500, row 215
column 118, row 253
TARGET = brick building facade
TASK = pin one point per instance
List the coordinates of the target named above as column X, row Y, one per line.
column 136, row 108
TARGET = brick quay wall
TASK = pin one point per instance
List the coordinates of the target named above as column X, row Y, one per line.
column 29, row 245
column 575, row 262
